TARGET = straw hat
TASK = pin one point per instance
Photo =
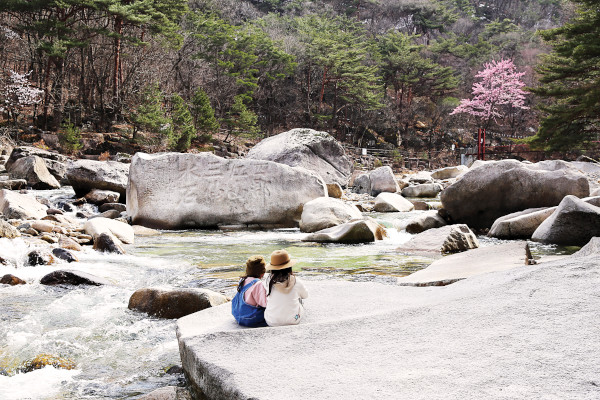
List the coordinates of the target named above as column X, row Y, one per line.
column 280, row 259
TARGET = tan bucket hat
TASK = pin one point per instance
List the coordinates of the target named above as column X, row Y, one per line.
column 280, row 259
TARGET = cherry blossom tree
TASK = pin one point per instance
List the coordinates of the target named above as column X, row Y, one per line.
column 17, row 94
column 498, row 93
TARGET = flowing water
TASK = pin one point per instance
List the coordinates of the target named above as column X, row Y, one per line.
column 124, row 354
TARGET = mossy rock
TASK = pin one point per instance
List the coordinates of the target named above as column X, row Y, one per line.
column 42, row 360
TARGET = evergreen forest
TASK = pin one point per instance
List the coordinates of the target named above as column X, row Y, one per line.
column 392, row 74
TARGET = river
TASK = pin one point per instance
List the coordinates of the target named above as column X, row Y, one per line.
column 120, row 353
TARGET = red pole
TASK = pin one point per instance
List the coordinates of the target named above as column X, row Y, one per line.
column 479, row 144
column 483, row 146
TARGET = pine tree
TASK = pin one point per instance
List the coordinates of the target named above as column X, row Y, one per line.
column 203, row 114
column 183, row 125
column 571, row 79
column 150, row 116
column 240, row 120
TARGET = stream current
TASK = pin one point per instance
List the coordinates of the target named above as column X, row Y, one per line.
column 123, row 354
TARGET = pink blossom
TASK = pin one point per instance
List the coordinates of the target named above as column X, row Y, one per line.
column 500, row 86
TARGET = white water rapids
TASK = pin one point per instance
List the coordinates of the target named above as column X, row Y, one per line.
column 124, row 354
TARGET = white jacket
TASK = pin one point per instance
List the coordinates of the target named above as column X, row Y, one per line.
column 283, row 304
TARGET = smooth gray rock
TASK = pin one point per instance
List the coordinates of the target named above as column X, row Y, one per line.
column 498, row 188
column 574, row 222
column 174, row 303
column 97, row 226
column 55, row 162
column 437, row 241
column 455, row 267
column 425, row 221
column 85, row 175
column 71, row 277
column 420, row 177
column 520, row 225
column 316, row 151
column 34, row 171
column 500, row 335
column 591, row 249
column 356, row 231
column 20, row 206
column 362, row 184
column 392, row 202
column 422, row 190
column 99, row 196
column 174, row 191
column 449, row 172
column 383, row 180
column 325, row 212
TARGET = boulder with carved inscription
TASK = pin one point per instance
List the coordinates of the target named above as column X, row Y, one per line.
column 316, row 151
column 179, row 191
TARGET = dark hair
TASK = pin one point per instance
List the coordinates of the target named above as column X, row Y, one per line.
column 255, row 268
column 279, row 276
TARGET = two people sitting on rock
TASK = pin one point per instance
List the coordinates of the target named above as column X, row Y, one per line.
column 276, row 303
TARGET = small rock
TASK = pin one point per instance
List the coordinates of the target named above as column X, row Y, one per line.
column 392, row 202
column 334, row 190
column 357, row 231
column 63, row 254
column 110, row 214
column 69, row 244
column 112, row 206
column 12, row 280
column 422, row 190
column 420, row 205
column 70, row 277
column 98, row 196
column 140, row 230
column 42, row 226
column 36, row 257
column 108, row 243
column 425, row 221
column 54, row 211
column 8, row 231
column 175, row 303
column 168, row 393
column 49, row 238
column 43, row 360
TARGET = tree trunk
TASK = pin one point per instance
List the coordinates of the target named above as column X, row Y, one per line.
column 117, row 63
column 57, row 90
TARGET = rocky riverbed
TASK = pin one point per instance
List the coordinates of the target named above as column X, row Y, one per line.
column 90, row 290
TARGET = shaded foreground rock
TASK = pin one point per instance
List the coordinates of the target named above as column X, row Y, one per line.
column 325, row 212
column 85, row 175
column 72, row 277
column 316, row 151
column 174, row 303
column 356, row 231
column 174, row 191
column 515, row 324
column 574, row 222
column 479, row 261
column 437, row 241
column 497, row 188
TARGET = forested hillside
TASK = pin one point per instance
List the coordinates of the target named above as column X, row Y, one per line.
column 384, row 73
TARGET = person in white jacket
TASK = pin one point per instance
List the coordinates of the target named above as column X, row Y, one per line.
column 284, row 292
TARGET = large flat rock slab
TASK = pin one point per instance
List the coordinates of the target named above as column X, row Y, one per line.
column 529, row 332
column 478, row 261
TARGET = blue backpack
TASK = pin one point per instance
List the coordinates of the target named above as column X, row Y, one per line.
column 244, row 313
